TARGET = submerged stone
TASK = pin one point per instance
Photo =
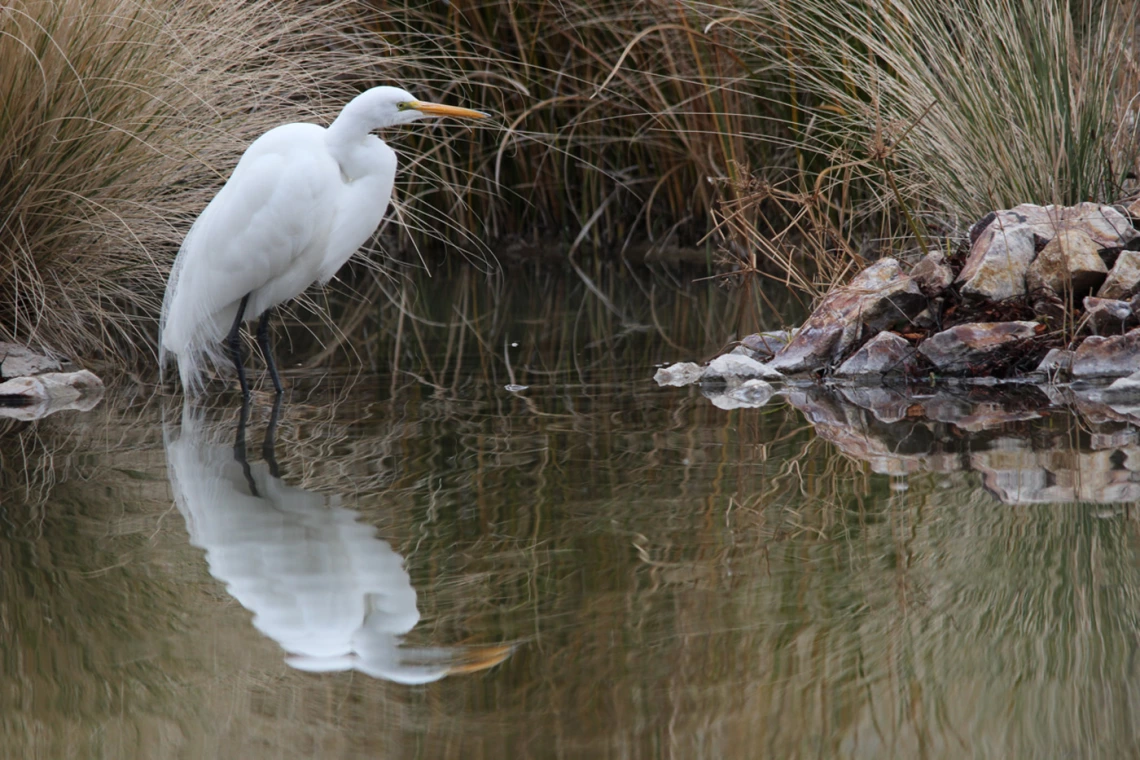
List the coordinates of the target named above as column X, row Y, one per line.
column 881, row 355
column 879, row 298
column 960, row 348
column 1115, row 356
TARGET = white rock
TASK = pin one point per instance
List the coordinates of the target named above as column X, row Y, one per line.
column 735, row 365
column 681, row 373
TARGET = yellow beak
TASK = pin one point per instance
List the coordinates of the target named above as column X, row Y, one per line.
column 438, row 109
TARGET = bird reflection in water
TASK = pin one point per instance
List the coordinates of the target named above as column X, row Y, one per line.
column 317, row 580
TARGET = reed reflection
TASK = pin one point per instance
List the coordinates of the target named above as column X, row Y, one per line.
column 318, row 581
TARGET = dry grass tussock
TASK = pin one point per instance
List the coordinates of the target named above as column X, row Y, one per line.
column 810, row 135
column 922, row 116
column 121, row 118
column 623, row 121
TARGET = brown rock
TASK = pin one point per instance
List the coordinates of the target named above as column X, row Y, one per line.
column 765, row 345
column 1070, row 261
column 1001, row 251
column 881, row 355
column 1124, row 279
column 1134, row 209
column 879, row 298
column 932, row 274
column 1108, row 316
column 1105, row 225
column 996, row 267
column 1108, row 357
column 955, row 350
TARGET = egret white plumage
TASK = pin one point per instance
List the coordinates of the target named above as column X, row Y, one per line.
column 301, row 201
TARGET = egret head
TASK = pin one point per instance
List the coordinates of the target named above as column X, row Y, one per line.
column 391, row 106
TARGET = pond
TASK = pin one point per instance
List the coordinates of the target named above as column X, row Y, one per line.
column 428, row 563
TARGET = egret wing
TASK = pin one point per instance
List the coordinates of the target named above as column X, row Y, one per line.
column 266, row 229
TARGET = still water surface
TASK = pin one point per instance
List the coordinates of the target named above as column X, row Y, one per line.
column 430, row 565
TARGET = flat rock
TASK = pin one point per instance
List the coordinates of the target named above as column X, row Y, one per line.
column 932, row 274
column 881, row 355
column 681, row 373
column 1115, row 356
column 1070, row 262
column 879, row 298
column 953, row 351
column 21, row 361
column 1108, row 316
column 736, row 365
column 1124, row 279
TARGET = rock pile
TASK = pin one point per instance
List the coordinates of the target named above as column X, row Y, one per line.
column 1040, row 290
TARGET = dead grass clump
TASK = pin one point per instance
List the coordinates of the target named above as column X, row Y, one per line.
column 121, row 118
column 621, row 118
column 920, row 116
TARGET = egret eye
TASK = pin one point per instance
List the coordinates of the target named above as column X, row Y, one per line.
column 404, row 106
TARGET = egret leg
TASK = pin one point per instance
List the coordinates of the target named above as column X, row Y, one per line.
column 234, row 340
column 268, row 446
column 263, row 341
column 239, row 446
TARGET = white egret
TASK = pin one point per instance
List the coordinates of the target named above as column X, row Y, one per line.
column 318, row 580
column 300, row 202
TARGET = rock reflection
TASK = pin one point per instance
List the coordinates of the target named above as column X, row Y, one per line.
column 317, row 580
column 1031, row 446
